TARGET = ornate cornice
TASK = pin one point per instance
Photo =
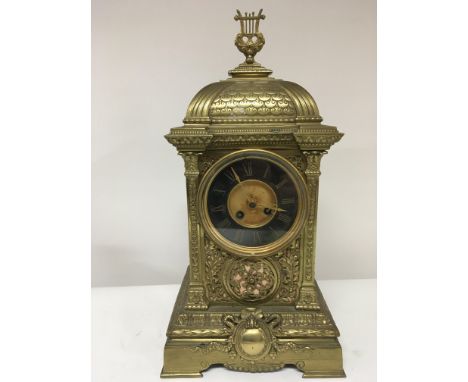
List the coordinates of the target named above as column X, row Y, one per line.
column 306, row 138
column 189, row 139
column 253, row 139
column 313, row 138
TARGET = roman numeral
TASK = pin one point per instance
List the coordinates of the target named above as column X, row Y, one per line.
column 284, row 218
column 219, row 191
column 247, row 167
column 239, row 235
column 230, row 176
column 220, row 208
column 256, row 237
column 225, row 223
column 274, row 231
column 267, row 172
column 281, row 183
column 287, row 201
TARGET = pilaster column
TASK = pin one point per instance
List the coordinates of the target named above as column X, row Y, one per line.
column 308, row 293
column 196, row 298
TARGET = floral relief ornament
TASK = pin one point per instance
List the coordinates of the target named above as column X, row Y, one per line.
column 252, row 280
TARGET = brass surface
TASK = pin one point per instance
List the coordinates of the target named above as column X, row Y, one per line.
column 252, row 309
column 259, row 100
column 283, row 268
column 251, row 197
column 249, row 41
column 253, row 343
column 252, row 339
column 251, row 280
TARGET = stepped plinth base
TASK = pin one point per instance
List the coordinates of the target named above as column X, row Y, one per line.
column 251, row 339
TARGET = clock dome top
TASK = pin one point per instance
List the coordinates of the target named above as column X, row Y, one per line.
column 250, row 95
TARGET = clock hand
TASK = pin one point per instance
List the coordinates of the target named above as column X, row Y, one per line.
column 272, row 208
column 235, row 175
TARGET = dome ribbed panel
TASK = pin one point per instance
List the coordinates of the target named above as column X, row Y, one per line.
column 305, row 104
column 199, row 107
column 252, row 101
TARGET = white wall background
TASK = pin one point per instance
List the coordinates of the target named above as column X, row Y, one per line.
column 150, row 57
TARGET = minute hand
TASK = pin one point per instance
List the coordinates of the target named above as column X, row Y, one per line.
column 272, row 208
column 235, row 175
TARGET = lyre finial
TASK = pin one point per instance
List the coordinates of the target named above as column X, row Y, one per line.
column 249, row 41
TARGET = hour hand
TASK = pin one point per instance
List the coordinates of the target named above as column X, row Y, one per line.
column 235, row 175
column 272, row 208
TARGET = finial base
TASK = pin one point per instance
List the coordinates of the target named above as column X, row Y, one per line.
column 250, row 70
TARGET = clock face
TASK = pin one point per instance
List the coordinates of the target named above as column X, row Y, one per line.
column 252, row 202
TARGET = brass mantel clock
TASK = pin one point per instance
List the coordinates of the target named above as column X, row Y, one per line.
column 252, row 147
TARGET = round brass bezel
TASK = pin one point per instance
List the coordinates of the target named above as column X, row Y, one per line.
column 263, row 250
